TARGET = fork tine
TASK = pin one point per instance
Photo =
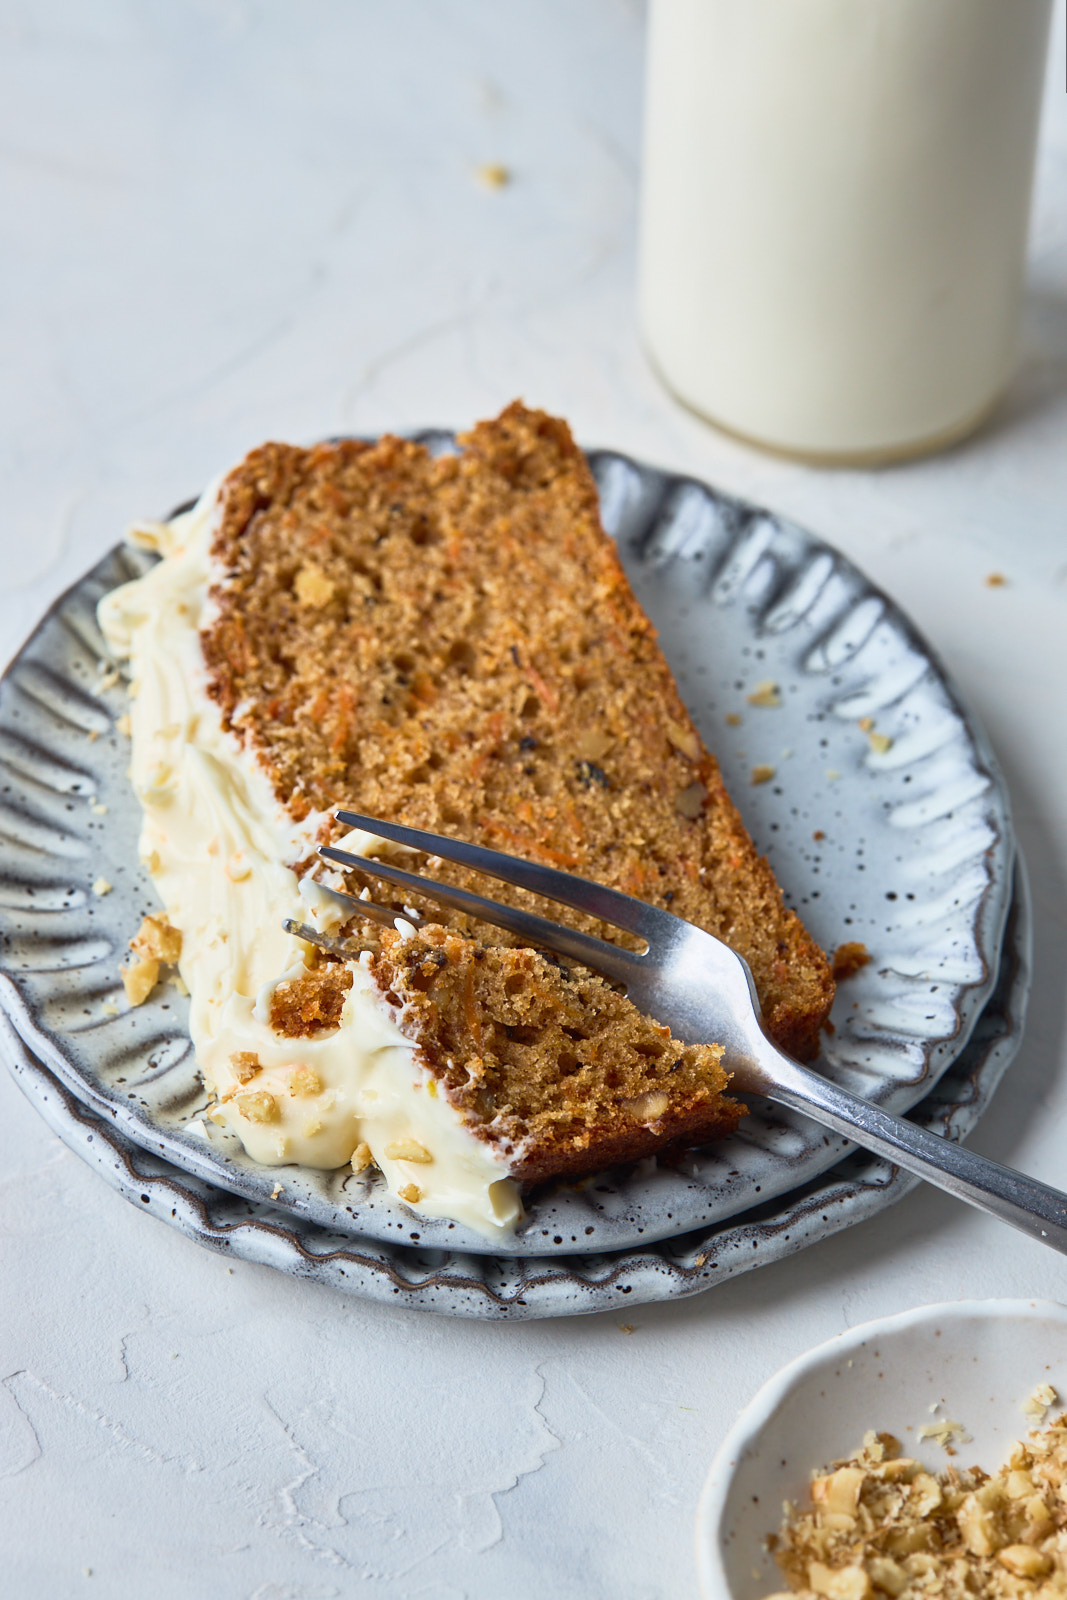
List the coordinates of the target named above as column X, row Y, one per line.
column 622, row 965
column 367, row 908
column 324, row 941
column 581, row 894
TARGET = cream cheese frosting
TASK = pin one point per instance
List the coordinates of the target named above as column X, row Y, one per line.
column 220, row 849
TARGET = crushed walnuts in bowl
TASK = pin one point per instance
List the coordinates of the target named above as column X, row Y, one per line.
column 951, row 1498
column 879, row 1524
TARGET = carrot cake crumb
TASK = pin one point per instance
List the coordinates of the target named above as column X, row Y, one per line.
column 848, row 959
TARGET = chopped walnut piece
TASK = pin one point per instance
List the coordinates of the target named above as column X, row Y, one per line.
column 257, row 1106
column 945, row 1431
column 848, row 959
column 1036, row 1404
column 305, row 1080
column 313, row 588
column 648, row 1107
column 690, row 802
column 361, row 1158
column 411, row 1193
column 762, row 774
column 683, row 739
column 1024, row 1561
column 139, row 979
column 593, row 744
column 879, row 1525
column 245, row 1065
column 880, row 743
column 408, row 1150
column 841, row 1583
column 839, row 1491
column 157, row 939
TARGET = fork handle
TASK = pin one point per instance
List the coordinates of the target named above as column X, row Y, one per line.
column 1033, row 1207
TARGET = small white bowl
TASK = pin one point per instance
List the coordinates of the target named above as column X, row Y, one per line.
column 976, row 1361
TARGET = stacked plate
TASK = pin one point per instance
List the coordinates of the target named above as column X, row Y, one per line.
column 879, row 804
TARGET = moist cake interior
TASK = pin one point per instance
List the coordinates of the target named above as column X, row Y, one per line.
column 452, row 643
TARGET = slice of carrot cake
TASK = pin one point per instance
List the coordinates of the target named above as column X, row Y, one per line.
column 448, row 642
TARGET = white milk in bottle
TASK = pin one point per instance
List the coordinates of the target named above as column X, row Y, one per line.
column 835, row 204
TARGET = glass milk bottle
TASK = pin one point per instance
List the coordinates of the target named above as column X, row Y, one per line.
column 834, row 213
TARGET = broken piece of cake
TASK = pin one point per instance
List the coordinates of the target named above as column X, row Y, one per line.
column 448, row 642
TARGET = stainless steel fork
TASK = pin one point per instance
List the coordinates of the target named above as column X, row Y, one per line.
column 704, row 991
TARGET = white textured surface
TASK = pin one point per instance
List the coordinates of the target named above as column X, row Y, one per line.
column 228, row 220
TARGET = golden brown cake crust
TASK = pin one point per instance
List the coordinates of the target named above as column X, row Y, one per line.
column 452, row 643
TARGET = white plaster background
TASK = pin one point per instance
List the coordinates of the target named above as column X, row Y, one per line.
column 223, row 220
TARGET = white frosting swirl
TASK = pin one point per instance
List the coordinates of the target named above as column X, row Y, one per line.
column 218, row 844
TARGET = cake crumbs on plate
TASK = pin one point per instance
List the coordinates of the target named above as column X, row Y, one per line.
column 848, row 959
column 493, row 175
column 880, row 742
column 878, row 1524
column 761, row 773
column 767, row 695
column 733, row 719
column 101, row 887
column 996, row 580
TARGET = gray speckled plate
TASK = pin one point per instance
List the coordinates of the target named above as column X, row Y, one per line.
column 467, row 1285
column 907, row 848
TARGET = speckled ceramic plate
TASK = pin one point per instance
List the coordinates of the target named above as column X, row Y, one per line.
column 501, row 1287
column 903, row 842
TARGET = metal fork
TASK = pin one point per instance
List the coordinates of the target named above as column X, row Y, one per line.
column 703, row 990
